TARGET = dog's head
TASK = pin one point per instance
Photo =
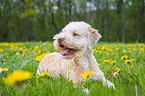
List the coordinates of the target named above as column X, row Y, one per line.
column 76, row 38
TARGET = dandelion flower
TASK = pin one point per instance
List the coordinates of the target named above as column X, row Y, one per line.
column 3, row 69
column 117, row 69
column 134, row 49
column 130, row 66
column 17, row 53
column 124, row 57
column 38, row 58
column 141, row 44
column 99, row 64
column 127, row 61
column 132, row 59
column 106, row 61
column 7, row 56
column 17, row 76
column 20, row 49
column 112, row 62
column 44, row 54
column 36, row 47
column 124, row 51
column 87, row 74
column 1, row 50
column 142, row 51
column 117, row 49
column 44, row 74
column 94, row 49
column 23, row 54
column 42, row 80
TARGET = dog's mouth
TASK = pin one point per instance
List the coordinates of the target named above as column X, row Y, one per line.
column 66, row 51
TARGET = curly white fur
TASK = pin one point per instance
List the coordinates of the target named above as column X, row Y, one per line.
column 76, row 43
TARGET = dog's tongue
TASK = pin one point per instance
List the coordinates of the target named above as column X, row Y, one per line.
column 66, row 51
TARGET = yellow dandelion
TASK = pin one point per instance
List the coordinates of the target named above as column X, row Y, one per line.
column 134, row 49
column 127, row 61
column 87, row 74
column 141, row 44
column 36, row 47
column 3, row 69
column 23, row 54
column 24, row 50
column 17, row 53
column 117, row 49
column 34, row 50
column 38, row 58
column 20, row 49
column 99, row 64
column 129, row 45
column 110, row 49
column 30, row 48
column 44, row 74
column 42, row 80
column 43, row 54
column 124, row 51
column 107, row 53
column 7, row 56
column 1, row 50
column 130, row 51
column 17, row 76
column 117, row 69
column 94, row 49
column 103, row 48
column 124, row 57
column 130, row 66
column 112, row 62
column 106, row 61
column 142, row 50
column 132, row 59
column 39, row 51
column 4, row 62
column 129, row 48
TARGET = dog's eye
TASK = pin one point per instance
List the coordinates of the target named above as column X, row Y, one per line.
column 75, row 34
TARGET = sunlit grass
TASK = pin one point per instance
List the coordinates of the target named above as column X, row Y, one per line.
column 122, row 64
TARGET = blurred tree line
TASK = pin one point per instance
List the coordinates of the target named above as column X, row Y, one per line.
column 34, row 20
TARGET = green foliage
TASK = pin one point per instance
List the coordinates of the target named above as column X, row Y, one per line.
column 27, row 13
column 33, row 20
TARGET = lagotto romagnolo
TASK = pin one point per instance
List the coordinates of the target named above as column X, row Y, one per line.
column 75, row 44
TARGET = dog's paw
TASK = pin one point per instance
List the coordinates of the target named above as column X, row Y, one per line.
column 109, row 84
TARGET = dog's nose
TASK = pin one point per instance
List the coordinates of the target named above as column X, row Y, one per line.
column 60, row 40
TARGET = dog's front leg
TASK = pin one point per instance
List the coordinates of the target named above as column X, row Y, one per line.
column 99, row 75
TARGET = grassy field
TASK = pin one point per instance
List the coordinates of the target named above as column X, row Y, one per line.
column 122, row 64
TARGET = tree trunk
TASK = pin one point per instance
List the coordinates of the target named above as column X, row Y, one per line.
column 138, row 20
column 123, row 22
column 30, row 31
column 118, row 11
column 107, row 17
column 141, row 20
column 52, row 20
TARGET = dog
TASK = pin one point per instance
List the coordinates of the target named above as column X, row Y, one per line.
column 75, row 44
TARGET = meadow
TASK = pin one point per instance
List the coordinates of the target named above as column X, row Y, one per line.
column 122, row 63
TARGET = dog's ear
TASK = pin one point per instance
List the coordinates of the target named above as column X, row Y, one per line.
column 93, row 36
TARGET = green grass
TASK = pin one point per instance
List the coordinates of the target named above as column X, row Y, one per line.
column 130, row 80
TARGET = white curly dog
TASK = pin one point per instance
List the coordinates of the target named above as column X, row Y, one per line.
column 76, row 43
